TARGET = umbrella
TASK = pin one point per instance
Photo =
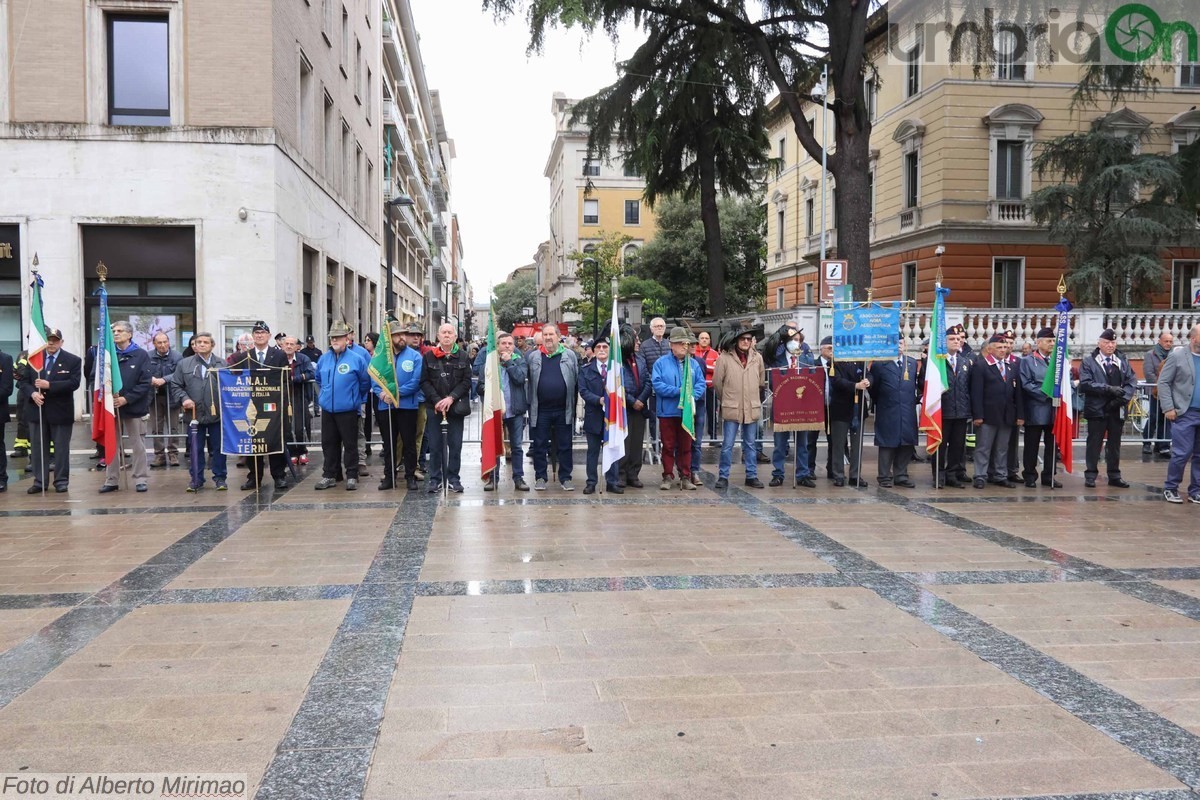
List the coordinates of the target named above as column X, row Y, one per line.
column 195, row 452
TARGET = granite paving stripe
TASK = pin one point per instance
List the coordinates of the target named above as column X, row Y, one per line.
column 1156, row 739
column 629, row 584
column 108, row 512
column 24, row 665
column 328, row 746
column 991, row 576
column 48, row 600
column 252, row 594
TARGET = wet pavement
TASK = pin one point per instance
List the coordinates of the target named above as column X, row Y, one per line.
column 817, row 643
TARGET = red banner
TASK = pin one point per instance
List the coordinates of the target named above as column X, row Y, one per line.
column 798, row 399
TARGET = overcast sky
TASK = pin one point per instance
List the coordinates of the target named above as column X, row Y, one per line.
column 496, row 101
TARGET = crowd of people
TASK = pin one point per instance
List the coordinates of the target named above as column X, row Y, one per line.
column 549, row 381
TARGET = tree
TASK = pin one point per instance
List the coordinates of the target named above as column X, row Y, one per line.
column 1115, row 210
column 511, row 297
column 595, row 269
column 689, row 111
column 676, row 256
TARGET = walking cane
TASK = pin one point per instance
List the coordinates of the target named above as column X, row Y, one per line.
column 445, row 455
column 195, row 457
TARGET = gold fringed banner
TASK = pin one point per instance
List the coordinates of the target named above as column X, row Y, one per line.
column 798, row 399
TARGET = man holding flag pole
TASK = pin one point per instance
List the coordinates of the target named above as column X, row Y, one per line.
column 602, row 386
column 936, row 385
column 1057, row 386
column 676, row 391
column 494, row 408
column 395, row 371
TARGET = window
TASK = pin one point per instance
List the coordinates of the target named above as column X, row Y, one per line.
column 870, row 96
column 330, row 144
column 633, row 212
column 779, row 297
column 809, row 223
column 368, row 96
column 912, row 81
column 591, row 212
column 327, row 21
column 1189, row 75
column 346, row 164
column 1182, row 275
column 871, row 194
column 1007, row 282
column 629, row 258
column 306, row 105
column 632, row 170
column 779, row 219
column 912, row 179
column 1010, row 169
column 138, row 71
column 358, row 67
column 357, row 187
column 812, row 126
column 1010, row 57
column 782, row 151
column 369, row 205
column 591, row 170
column 908, row 281
column 345, row 40
column 808, row 294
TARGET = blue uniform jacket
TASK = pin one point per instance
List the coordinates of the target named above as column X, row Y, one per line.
column 409, row 364
column 595, row 399
column 343, row 380
column 667, row 377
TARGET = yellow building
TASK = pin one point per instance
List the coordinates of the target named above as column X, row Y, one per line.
column 581, row 215
column 951, row 166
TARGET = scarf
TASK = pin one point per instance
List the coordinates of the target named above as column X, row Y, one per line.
column 558, row 350
column 438, row 352
column 744, row 357
column 1160, row 351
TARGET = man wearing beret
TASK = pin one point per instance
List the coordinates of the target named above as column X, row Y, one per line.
column 1107, row 383
column 997, row 409
column 262, row 359
column 950, row 467
column 1039, row 412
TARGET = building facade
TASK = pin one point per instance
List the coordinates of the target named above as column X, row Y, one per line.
column 220, row 158
column 951, row 166
column 588, row 200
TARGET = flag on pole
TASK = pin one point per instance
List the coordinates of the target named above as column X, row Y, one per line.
column 493, row 403
column 35, row 342
column 382, row 368
column 1057, row 385
column 107, row 382
column 935, row 374
column 616, row 426
column 687, row 397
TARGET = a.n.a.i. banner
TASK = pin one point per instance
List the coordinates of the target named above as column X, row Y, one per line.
column 868, row 332
column 798, row 399
column 251, row 412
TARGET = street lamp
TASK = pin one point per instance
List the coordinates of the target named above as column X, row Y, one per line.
column 595, row 296
column 823, row 90
column 389, row 288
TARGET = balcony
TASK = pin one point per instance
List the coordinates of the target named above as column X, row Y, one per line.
column 813, row 242
column 1009, row 212
column 439, row 269
column 910, row 219
column 439, row 193
column 439, row 231
column 389, row 187
column 390, row 117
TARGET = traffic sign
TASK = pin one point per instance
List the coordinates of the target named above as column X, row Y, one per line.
column 833, row 274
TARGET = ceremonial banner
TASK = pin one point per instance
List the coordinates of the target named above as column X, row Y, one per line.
column 251, row 416
column 866, row 333
column 798, row 402
column 935, row 374
column 1057, row 384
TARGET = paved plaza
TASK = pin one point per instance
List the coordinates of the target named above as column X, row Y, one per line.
column 827, row 643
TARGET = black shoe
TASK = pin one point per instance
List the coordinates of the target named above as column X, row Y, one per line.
column 905, row 483
column 776, row 482
column 1053, row 485
column 839, row 482
column 885, row 484
column 433, row 488
column 351, row 484
column 635, row 484
column 857, row 483
column 953, row 483
column 410, row 484
column 490, row 486
column 1162, row 455
column 3, row 487
column 589, row 488
column 1089, row 483
column 807, row 482
column 248, row 486
column 723, row 483
column 1120, row 484
column 106, row 488
column 520, row 485
column 1008, row 484
column 1031, row 484
column 1014, row 478
column 456, row 487
column 280, row 484
column 61, row 489
column 613, row 488
column 754, row 483
column 34, row 490
column 979, row 483
column 386, row 484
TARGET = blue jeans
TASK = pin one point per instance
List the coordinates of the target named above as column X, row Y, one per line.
column 552, row 421
column 515, row 426
column 595, row 442
column 701, row 415
column 210, row 439
column 729, row 432
column 803, row 468
column 1185, row 446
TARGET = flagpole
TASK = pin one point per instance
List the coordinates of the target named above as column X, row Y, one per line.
column 44, row 472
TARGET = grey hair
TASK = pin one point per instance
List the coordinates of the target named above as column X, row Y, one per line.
column 204, row 334
column 123, row 324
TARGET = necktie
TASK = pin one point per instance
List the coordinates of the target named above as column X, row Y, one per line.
column 1003, row 371
column 953, row 363
column 899, row 363
column 604, row 372
column 262, row 356
column 50, row 364
column 793, row 362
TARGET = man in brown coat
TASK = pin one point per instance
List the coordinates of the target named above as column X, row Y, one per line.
column 738, row 378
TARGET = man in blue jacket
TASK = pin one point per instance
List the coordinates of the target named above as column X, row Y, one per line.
column 514, row 372
column 344, row 384
column 1039, row 412
column 400, row 420
column 593, row 388
column 132, row 406
column 668, row 387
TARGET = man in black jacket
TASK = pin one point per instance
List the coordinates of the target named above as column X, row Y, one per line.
column 271, row 363
column 997, row 409
column 445, row 381
column 950, row 465
column 7, row 381
column 844, row 380
column 132, row 405
column 47, row 397
column 1107, row 383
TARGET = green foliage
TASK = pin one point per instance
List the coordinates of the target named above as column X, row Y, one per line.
column 594, row 270
column 1115, row 210
column 675, row 258
column 510, row 297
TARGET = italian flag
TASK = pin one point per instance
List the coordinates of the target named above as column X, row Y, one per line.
column 107, row 383
column 36, row 340
column 935, row 375
column 493, row 404
column 1057, row 386
column 616, row 426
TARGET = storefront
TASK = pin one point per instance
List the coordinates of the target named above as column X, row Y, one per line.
column 151, row 279
column 10, row 290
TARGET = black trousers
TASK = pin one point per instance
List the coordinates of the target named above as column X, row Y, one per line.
column 339, row 444
column 841, row 435
column 951, row 459
column 40, row 438
column 254, row 464
column 3, row 456
column 1111, row 424
column 1034, row 436
column 402, row 423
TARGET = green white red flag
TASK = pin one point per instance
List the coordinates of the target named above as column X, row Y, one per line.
column 35, row 340
column 616, row 427
column 935, row 374
column 493, row 403
column 1057, row 385
column 106, row 384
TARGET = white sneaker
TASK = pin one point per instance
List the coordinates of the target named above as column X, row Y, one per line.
column 1172, row 496
column 539, row 485
column 567, row 486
